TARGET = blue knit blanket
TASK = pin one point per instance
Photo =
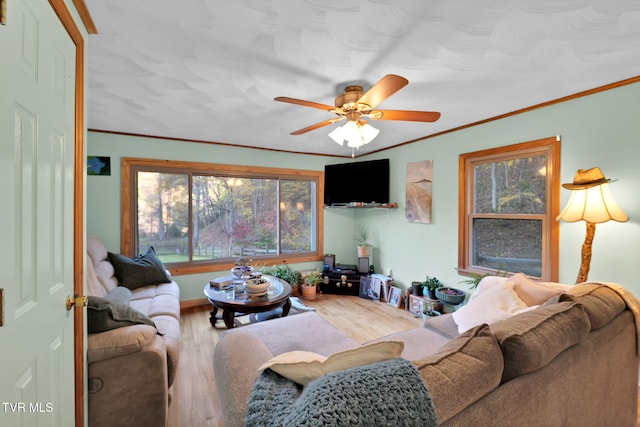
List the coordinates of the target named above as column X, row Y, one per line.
column 389, row 393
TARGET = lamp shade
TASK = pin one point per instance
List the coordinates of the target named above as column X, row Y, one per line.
column 594, row 205
column 354, row 134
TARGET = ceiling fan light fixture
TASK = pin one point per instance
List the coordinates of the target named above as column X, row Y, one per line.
column 354, row 134
column 337, row 135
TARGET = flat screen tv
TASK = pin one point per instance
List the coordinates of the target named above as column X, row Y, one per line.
column 360, row 182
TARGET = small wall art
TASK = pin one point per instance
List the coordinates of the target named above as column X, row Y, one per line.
column 419, row 190
column 97, row 165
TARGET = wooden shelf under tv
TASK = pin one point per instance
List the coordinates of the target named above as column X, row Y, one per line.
column 363, row 206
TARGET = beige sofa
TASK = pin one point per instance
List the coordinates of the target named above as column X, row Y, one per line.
column 131, row 368
column 570, row 361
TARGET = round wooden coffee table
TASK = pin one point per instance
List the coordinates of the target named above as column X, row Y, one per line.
column 234, row 303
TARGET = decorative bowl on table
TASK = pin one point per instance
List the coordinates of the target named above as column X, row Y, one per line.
column 241, row 270
column 450, row 295
column 257, row 286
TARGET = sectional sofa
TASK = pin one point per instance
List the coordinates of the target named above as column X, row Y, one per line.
column 538, row 355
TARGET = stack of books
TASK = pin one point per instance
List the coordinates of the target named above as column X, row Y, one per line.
column 222, row 282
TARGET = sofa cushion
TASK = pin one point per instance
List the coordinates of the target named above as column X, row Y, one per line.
column 326, row 339
column 471, row 362
column 98, row 257
column 302, row 367
column 533, row 339
column 143, row 270
column 104, row 314
column 117, row 343
column 443, row 325
column 599, row 302
column 94, row 287
column 496, row 303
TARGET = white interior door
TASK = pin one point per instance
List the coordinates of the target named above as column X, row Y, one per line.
column 37, row 91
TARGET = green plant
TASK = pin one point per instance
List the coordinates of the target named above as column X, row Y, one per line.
column 361, row 237
column 432, row 283
column 284, row 272
column 475, row 278
column 313, row 279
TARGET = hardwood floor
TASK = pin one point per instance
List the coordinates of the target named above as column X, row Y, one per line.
column 195, row 396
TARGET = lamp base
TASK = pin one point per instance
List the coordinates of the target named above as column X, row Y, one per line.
column 586, row 253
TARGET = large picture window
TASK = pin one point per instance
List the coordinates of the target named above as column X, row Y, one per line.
column 509, row 199
column 202, row 217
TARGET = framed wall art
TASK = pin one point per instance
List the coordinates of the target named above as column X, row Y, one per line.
column 97, row 165
column 418, row 192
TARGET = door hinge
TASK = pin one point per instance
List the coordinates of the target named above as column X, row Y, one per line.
column 3, row 12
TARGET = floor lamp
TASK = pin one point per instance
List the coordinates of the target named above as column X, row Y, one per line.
column 590, row 201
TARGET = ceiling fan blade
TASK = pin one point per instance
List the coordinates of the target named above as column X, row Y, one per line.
column 384, row 88
column 304, row 103
column 405, row 115
column 316, row 126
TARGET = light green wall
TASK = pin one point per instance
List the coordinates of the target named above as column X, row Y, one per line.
column 599, row 130
column 103, row 192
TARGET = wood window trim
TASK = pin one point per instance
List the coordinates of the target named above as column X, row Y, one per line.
column 130, row 165
column 551, row 228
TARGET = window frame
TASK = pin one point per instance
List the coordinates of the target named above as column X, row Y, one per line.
column 550, row 228
column 131, row 166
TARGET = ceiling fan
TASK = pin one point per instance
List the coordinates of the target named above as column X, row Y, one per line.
column 355, row 105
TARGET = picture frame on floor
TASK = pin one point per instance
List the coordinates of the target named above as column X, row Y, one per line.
column 369, row 288
column 395, row 296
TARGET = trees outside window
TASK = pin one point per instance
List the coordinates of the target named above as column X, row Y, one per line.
column 201, row 216
column 509, row 198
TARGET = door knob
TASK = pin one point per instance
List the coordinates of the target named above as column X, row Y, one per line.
column 80, row 301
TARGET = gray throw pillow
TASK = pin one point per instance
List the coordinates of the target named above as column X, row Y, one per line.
column 143, row 270
column 104, row 314
column 119, row 294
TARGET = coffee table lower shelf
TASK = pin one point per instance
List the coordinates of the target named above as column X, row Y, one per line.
column 239, row 304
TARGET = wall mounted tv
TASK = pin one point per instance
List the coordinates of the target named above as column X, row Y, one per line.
column 357, row 182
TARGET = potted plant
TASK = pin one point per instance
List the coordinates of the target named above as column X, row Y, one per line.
column 284, row 272
column 428, row 313
column 310, row 285
column 417, row 288
column 431, row 284
column 450, row 295
column 362, row 241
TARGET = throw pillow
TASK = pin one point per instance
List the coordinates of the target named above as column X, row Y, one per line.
column 119, row 294
column 104, row 314
column 302, row 367
column 530, row 291
column 497, row 303
column 143, row 270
